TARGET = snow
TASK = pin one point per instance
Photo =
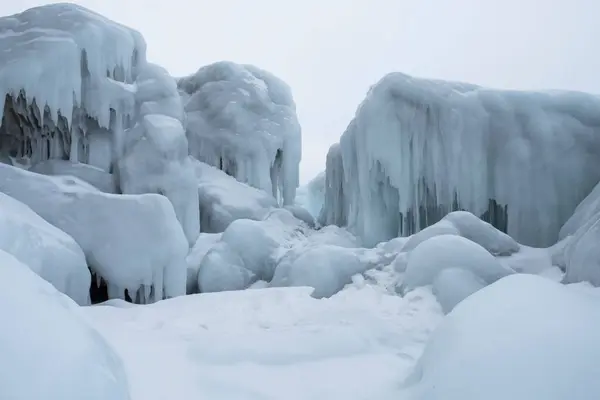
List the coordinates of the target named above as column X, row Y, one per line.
column 453, row 285
column 133, row 242
column 222, row 269
column 74, row 61
column 523, row 337
column 243, row 121
column 95, row 176
column 441, row 252
column 45, row 249
column 194, row 258
column 48, row 349
column 420, row 148
column 270, row 343
column 224, row 199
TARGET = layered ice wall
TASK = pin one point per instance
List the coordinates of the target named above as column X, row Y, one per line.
column 418, row 149
column 64, row 83
column 243, row 121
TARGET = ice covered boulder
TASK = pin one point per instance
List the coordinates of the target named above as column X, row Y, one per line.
column 442, row 252
column 453, row 285
column 302, row 214
column 222, row 269
column 523, row 337
column 223, row 199
column 155, row 160
column 243, row 121
column 41, row 329
column 418, row 149
column 467, row 225
column 45, row 249
column 95, row 176
column 204, row 243
column 326, row 268
column 71, row 107
column 133, row 242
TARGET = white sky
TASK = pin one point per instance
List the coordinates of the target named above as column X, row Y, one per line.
column 331, row 51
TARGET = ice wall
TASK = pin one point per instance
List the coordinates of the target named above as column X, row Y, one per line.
column 243, row 121
column 64, row 83
column 418, row 148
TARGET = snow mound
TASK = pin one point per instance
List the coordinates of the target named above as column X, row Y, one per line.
column 523, row 337
column 243, row 121
column 45, row 249
column 224, row 199
column 95, row 176
column 418, row 149
column 325, row 268
column 302, row 214
column 133, row 242
column 203, row 244
column 66, row 72
column 41, row 328
column 453, row 285
column 222, row 269
column 438, row 253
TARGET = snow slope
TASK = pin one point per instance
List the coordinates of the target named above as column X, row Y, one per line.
column 243, row 121
column 419, row 148
column 270, row 344
column 48, row 350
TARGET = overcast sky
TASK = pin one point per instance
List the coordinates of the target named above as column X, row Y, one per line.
column 331, row 51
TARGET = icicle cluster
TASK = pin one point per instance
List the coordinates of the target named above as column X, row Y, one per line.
column 243, row 121
column 418, row 149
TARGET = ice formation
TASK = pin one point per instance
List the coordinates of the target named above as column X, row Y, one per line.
column 48, row 349
column 45, row 249
column 203, row 244
column 223, row 269
column 133, row 242
column 418, row 149
column 312, row 195
column 243, row 121
column 223, row 199
column 95, row 176
column 453, row 285
column 524, row 337
column 65, row 75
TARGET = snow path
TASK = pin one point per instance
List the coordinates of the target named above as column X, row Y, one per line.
column 277, row 343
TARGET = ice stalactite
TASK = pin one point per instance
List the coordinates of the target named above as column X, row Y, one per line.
column 243, row 121
column 418, row 149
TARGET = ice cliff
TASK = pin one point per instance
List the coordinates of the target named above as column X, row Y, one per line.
column 419, row 148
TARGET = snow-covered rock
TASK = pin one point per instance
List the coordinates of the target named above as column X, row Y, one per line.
column 524, row 337
column 70, row 107
column 453, row 285
column 442, row 252
column 43, row 329
column 302, row 214
column 97, row 177
column 204, row 243
column 418, row 149
column 133, row 242
column 45, row 249
column 243, row 121
column 223, row 199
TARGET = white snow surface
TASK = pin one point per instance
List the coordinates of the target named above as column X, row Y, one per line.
column 48, row 349
column 243, row 121
column 423, row 143
column 203, row 244
column 223, row 199
column 95, row 176
column 60, row 55
column 276, row 343
column 453, row 285
column 523, row 337
column 133, row 242
column 45, row 249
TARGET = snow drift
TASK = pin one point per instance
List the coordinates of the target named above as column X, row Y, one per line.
column 45, row 249
column 418, row 149
column 243, row 121
column 43, row 329
column 523, row 337
column 133, row 242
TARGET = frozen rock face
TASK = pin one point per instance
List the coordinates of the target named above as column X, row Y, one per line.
column 69, row 108
column 418, row 149
column 42, row 328
column 45, row 249
column 132, row 242
column 524, row 337
column 243, row 121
